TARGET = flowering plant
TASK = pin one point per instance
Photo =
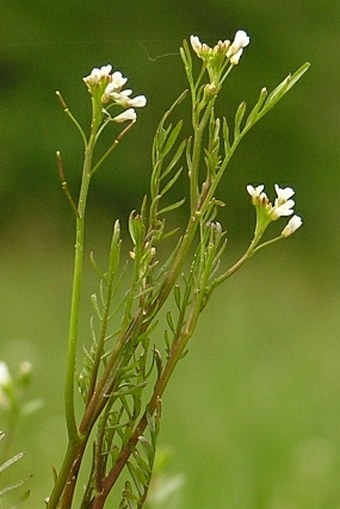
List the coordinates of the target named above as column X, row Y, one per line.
column 125, row 370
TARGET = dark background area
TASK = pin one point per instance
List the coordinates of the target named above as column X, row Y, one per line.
column 253, row 414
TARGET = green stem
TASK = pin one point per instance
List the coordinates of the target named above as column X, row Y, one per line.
column 179, row 259
column 55, row 498
column 75, row 440
column 75, row 299
column 71, row 116
column 111, row 273
column 73, row 435
column 197, row 202
column 253, row 247
column 199, row 126
column 177, row 350
column 115, row 142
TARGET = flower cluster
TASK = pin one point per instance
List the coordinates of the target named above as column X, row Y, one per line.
column 231, row 51
column 98, row 77
column 283, row 206
column 106, row 87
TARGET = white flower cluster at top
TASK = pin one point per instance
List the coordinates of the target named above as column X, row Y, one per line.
column 231, row 50
column 109, row 87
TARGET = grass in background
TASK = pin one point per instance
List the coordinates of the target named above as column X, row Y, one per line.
column 253, row 413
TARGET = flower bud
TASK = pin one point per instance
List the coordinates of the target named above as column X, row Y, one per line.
column 293, row 224
column 127, row 115
column 98, row 76
column 235, row 50
column 26, row 370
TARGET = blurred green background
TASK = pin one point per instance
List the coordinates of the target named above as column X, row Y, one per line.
column 253, row 413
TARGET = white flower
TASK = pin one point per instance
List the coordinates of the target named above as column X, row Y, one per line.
column 105, row 87
column 26, row 368
column 118, row 80
column 241, row 39
column 5, row 377
column 5, row 383
column 283, row 205
column 111, row 92
column 204, row 51
column 196, row 44
column 97, row 75
column 127, row 115
column 235, row 58
column 255, row 191
column 293, row 224
column 235, row 50
column 138, row 102
column 257, row 195
column 25, row 372
column 122, row 98
column 282, row 210
column 283, row 194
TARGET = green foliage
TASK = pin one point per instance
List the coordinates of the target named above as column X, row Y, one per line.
column 6, row 488
column 126, row 368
